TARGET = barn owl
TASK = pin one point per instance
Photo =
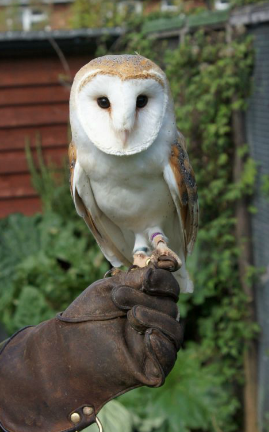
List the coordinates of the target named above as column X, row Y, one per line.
column 131, row 179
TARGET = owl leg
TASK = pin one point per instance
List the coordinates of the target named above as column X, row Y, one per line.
column 163, row 256
column 141, row 251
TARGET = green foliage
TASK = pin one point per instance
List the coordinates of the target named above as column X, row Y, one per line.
column 207, row 75
column 114, row 418
column 96, row 13
column 107, row 13
column 99, row 13
column 238, row 3
column 45, row 260
column 265, row 185
column 192, row 398
column 266, row 425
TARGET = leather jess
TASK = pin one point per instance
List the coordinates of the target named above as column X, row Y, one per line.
column 119, row 334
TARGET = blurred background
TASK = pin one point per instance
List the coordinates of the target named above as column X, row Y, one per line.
column 216, row 57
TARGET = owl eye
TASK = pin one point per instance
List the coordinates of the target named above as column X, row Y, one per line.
column 103, row 102
column 141, row 101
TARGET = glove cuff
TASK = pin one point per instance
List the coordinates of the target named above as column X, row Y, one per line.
column 28, row 398
column 57, row 376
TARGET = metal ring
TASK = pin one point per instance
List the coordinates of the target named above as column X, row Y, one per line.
column 99, row 424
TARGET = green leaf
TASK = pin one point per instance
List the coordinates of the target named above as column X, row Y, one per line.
column 114, row 418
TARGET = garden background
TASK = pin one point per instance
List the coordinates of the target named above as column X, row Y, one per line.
column 48, row 258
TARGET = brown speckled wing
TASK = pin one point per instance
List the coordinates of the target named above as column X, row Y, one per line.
column 187, row 191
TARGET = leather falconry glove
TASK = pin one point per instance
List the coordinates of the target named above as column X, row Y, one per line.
column 119, row 334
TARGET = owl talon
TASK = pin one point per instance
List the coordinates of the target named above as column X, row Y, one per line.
column 141, row 259
column 166, row 260
column 132, row 267
column 167, row 263
column 112, row 272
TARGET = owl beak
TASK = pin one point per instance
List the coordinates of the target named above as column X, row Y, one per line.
column 124, row 135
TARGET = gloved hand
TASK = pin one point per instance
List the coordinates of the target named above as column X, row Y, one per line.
column 119, row 334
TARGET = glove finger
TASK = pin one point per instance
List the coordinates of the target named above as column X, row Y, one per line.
column 142, row 318
column 163, row 348
column 94, row 303
column 152, row 280
column 160, row 282
column 126, row 298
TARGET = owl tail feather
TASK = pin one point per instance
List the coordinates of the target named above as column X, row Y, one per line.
column 184, row 281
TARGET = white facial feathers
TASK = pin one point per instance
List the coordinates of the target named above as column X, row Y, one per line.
column 122, row 128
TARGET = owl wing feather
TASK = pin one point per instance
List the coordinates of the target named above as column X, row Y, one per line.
column 180, row 178
column 72, row 154
column 101, row 227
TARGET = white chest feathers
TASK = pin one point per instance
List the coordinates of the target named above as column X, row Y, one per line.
column 130, row 191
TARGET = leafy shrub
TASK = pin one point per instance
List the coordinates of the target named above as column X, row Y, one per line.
column 45, row 260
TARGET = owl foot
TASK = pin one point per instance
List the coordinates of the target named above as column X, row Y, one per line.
column 141, row 259
column 112, row 272
column 165, row 258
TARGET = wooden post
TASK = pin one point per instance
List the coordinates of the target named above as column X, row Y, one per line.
column 243, row 236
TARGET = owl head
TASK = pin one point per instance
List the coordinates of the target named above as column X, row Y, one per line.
column 118, row 103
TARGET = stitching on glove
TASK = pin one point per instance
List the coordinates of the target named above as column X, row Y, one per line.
column 12, row 337
column 84, row 318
